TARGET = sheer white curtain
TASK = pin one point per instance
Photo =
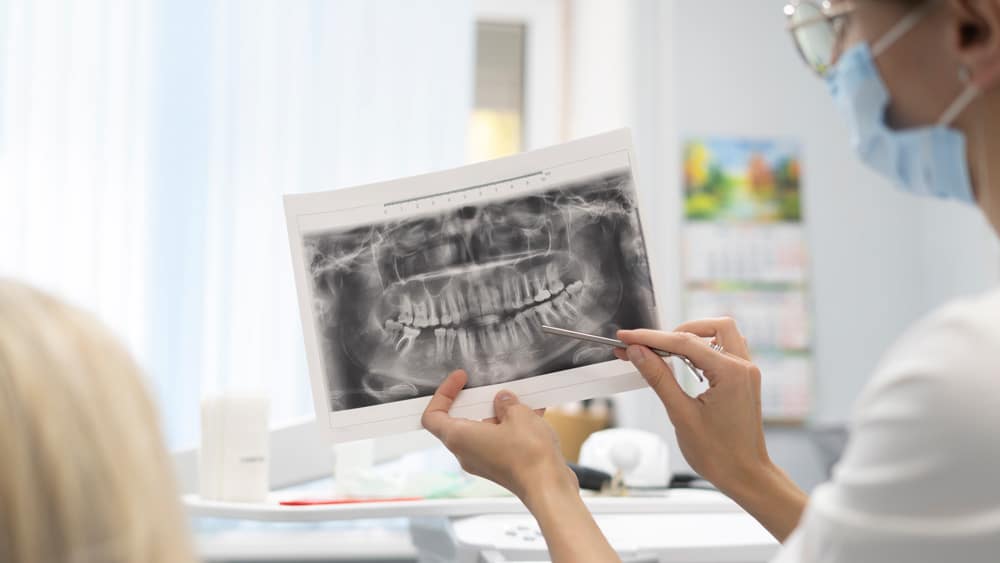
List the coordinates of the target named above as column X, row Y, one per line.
column 149, row 188
column 74, row 79
column 308, row 96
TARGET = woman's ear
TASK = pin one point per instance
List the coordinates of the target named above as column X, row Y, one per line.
column 976, row 39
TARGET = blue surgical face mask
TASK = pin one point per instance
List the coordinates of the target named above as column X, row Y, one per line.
column 927, row 160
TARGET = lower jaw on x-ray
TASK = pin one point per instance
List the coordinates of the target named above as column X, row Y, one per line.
column 401, row 303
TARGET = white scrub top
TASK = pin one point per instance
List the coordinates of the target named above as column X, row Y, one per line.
column 919, row 481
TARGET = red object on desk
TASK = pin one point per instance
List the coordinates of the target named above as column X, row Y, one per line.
column 318, row 501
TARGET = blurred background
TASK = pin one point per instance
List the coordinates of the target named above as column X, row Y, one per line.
column 145, row 146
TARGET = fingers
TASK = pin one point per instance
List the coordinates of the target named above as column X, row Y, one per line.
column 682, row 343
column 660, row 378
column 725, row 332
column 496, row 420
column 502, row 403
column 435, row 417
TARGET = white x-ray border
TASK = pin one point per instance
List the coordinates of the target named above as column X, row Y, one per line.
column 306, row 213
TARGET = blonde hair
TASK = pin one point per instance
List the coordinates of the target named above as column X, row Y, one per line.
column 84, row 476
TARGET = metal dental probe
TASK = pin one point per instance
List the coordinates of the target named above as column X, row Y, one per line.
column 619, row 344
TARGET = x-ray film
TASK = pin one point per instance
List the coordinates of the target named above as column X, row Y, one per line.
column 401, row 282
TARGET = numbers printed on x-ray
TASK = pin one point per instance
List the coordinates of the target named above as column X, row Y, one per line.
column 467, row 195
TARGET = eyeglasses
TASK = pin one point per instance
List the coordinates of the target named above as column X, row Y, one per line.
column 816, row 28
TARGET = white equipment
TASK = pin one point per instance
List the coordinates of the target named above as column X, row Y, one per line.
column 684, row 526
column 639, row 458
column 722, row 537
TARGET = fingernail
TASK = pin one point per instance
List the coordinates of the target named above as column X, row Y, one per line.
column 635, row 354
column 504, row 396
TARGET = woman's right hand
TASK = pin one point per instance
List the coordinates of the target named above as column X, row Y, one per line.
column 720, row 432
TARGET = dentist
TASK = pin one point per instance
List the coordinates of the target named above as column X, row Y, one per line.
column 919, row 84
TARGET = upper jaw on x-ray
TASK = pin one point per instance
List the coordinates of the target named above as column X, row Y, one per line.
column 402, row 303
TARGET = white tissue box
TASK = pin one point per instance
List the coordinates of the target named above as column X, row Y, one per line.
column 233, row 459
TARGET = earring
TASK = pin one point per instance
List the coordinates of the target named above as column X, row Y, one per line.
column 964, row 74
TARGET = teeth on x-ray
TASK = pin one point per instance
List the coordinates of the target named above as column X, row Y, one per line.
column 503, row 317
column 401, row 303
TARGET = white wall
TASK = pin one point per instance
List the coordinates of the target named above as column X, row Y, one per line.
column 879, row 259
column 616, row 56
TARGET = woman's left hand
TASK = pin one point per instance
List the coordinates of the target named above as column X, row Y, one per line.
column 516, row 450
column 519, row 451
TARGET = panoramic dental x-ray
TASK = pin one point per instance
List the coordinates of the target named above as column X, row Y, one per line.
column 400, row 303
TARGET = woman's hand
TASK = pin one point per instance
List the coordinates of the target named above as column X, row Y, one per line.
column 516, row 450
column 519, row 451
column 720, row 432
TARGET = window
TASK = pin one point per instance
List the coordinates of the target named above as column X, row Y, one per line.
column 148, row 148
column 496, row 123
column 520, row 77
column 145, row 151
